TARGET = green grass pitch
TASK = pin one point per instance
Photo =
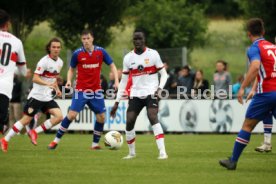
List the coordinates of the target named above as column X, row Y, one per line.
column 192, row 159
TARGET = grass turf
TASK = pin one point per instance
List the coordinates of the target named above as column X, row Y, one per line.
column 192, row 159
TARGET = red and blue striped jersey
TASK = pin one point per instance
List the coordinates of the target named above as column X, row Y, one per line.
column 265, row 52
column 89, row 67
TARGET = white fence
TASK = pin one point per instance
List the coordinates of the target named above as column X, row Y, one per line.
column 174, row 115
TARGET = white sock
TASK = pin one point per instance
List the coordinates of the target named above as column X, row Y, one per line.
column 94, row 144
column 27, row 128
column 267, row 138
column 130, row 138
column 159, row 136
column 17, row 127
column 57, row 140
column 45, row 126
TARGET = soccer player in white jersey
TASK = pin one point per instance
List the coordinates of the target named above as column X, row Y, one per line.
column 143, row 64
column 41, row 97
column 11, row 56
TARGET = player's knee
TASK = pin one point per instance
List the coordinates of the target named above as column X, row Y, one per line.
column 72, row 115
column 152, row 118
column 249, row 124
column 100, row 118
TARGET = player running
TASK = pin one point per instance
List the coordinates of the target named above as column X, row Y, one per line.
column 40, row 97
column 11, row 56
column 267, row 124
column 88, row 61
column 143, row 64
column 262, row 57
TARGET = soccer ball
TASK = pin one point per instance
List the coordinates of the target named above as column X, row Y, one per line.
column 113, row 140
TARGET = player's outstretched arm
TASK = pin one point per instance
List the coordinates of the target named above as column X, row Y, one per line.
column 121, row 92
column 70, row 75
column 253, row 90
column 163, row 79
column 37, row 79
column 250, row 76
column 113, row 69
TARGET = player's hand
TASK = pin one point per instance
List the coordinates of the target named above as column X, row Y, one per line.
column 114, row 109
column 59, row 93
column 157, row 93
column 250, row 95
column 116, row 85
column 240, row 95
column 68, row 84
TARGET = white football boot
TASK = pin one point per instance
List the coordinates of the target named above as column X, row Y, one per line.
column 129, row 156
column 265, row 147
column 163, row 157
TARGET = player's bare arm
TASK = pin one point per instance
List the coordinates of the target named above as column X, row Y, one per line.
column 70, row 75
column 121, row 91
column 253, row 90
column 37, row 79
column 250, row 76
column 113, row 69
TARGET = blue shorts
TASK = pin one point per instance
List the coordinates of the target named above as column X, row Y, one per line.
column 261, row 106
column 94, row 101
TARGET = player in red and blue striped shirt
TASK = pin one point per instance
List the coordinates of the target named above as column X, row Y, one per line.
column 88, row 61
column 262, row 57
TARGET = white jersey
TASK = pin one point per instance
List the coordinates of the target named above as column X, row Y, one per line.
column 11, row 55
column 143, row 69
column 48, row 69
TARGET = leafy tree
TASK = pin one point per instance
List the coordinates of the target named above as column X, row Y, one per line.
column 171, row 23
column 69, row 18
column 265, row 9
column 25, row 15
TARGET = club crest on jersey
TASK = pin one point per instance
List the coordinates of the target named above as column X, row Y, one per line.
column 147, row 61
column 140, row 67
column 30, row 110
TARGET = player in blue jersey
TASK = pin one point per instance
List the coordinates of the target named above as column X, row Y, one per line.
column 262, row 58
column 267, row 124
column 88, row 61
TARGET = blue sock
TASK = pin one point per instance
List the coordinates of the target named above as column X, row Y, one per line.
column 241, row 141
column 98, row 130
column 63, row 127
column 268, row 123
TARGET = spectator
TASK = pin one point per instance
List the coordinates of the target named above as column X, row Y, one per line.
column 111, row 81
column 222, row 78
column 186, row 79
column 15, row 107
column 200, row 84
column 104, row 83
column 173, row 82
column 236, row 87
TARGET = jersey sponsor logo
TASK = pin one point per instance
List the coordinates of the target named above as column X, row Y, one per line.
column 83, row 59
column 90, row 65
column 140, row 67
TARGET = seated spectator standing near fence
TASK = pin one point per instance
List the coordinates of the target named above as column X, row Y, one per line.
column 221, row 79
column 186, row 79
column 200, row 84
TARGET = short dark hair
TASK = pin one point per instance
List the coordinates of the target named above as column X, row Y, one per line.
column 139, row 30
column 50, row 42
column 224, row 63
column 4, row 17
column 186, row 67
column 255, row 26
column 87, row 31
